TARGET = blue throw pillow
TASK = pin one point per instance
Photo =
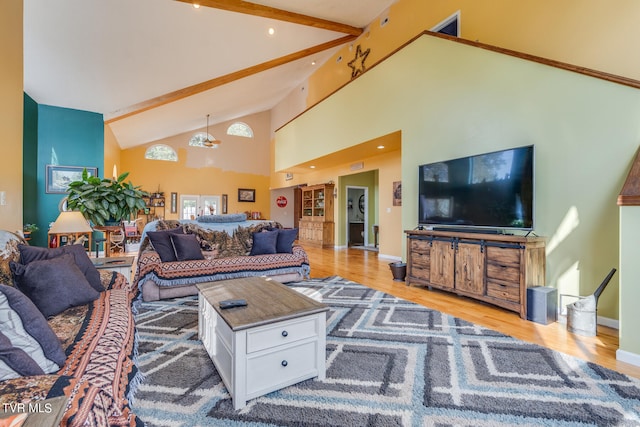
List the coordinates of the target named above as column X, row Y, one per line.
column 286, row 237
column 186, row 247
column 54, row 285
column 26, row 329
column 33, row 253
column 161, row 242
column 264, row 242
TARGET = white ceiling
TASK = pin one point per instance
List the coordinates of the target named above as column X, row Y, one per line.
column 106, row 56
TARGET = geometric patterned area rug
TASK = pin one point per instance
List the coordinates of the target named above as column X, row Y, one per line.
column 390, row 362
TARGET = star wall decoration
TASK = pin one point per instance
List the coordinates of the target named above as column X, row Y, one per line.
column 357, row 64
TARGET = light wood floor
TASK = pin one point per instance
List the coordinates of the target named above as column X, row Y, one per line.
column 366, row 268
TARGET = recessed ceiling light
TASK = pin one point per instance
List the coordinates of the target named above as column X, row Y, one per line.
column 313, row 62
column 271, row 31
column 196, row 6
column 312, row 167
column 380, row 147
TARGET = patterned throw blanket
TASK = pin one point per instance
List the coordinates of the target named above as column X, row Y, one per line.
column 226, row 256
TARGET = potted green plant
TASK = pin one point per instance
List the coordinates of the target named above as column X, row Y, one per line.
column 105, row 201
column 28, row 229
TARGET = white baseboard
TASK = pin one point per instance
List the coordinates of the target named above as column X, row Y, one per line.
column 390, row 257
column 610, row 323
column 628, row 357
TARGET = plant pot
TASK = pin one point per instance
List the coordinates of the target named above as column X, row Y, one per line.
column 398, row 270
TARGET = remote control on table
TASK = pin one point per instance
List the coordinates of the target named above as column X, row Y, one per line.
column 230, row 303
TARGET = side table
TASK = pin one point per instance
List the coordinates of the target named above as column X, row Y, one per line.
column 121, row 264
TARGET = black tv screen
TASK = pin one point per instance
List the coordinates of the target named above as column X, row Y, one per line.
column 493, row 190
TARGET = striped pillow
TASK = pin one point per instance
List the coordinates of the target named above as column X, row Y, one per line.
column 28, row 345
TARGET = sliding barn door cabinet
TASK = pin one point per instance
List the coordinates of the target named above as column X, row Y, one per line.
column 493, row 268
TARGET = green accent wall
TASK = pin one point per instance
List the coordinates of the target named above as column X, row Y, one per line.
column 61, row 136
column 30, row 165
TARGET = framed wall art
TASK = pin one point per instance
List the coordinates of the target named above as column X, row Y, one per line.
column 225, row 201
column 59, row 177
column 397, row 193
column 174, row 202
column 246, row 195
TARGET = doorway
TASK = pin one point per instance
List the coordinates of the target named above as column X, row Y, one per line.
column 357, row 216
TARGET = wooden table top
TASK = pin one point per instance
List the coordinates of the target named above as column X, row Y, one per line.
column 267, row 301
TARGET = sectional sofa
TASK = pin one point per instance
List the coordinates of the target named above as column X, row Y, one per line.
column 175, row 256
column 67, row 337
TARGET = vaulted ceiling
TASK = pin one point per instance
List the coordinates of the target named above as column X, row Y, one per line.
column 156, row 68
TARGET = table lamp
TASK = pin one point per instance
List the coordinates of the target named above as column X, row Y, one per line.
column 70, row 222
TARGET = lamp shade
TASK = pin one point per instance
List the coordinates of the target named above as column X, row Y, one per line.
column 70, row 222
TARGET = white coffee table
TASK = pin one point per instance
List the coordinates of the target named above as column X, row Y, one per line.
column 277, row 340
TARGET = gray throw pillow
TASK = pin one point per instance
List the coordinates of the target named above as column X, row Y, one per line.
column 186, row 247
column 54, row 285
column 33, row 253
column 161, row 242
column 26, row 329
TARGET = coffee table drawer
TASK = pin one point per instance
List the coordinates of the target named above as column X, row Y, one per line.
column 274, row 370
column 281, row 333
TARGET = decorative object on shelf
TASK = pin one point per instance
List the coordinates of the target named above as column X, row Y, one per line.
column 28, row 229
column 246, row 195
column 397, row 193
column 62, row 206
column 174, row 202
column 105, row 200
column 58, row 178
column 357, row 64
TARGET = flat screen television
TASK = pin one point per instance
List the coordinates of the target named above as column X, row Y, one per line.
column 491, row 190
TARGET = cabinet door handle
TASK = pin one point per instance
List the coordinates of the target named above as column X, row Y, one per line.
column 285, row 333
column 284, row 363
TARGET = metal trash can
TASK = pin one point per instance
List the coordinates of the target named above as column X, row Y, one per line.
column 582, row 318
column 582, row 315
column 398, row 270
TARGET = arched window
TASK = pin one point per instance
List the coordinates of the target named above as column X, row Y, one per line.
column 203, row 139
column 240, row 129
column 161, row 152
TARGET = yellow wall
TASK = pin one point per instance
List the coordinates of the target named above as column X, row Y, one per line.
column 388, row 216
column 237, row 163
column 11, row 113
column 452, row 100
column 589, row 33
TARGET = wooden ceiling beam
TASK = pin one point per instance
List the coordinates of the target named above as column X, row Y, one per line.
column 222, row 80
column 278, row 14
